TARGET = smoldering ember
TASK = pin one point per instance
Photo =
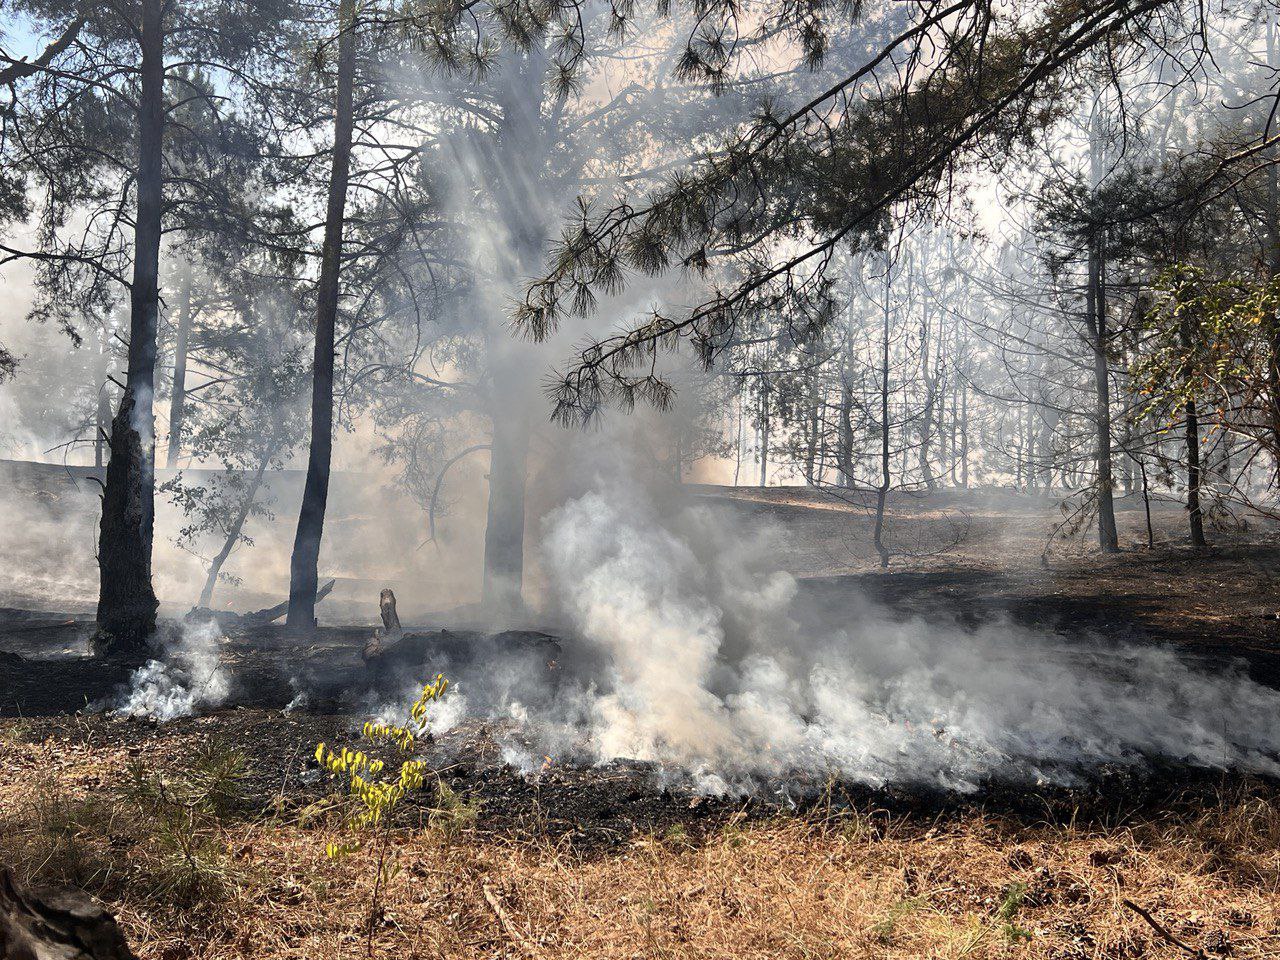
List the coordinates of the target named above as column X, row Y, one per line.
column 639, row 480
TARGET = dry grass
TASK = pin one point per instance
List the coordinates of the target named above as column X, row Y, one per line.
column 165, row 840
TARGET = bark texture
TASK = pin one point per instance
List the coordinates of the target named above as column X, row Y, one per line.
column 65, row 924
column 304, row 568
column 126, row 601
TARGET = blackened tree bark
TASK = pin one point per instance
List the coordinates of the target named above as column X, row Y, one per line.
column 1272, row 323
column 1193, row 476
column 1192, row 424
column 126, row 600
column 304, row 565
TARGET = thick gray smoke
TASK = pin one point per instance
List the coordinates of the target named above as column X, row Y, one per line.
column 707, row 672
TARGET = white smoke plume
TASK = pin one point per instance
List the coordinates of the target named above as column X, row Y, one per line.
column 188, row 676
column 709, row 674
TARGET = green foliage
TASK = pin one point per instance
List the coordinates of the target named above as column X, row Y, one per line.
column 1206, row 337
column 884, row 928
column 373, row 798
column 1014, row 895
column 451, row 813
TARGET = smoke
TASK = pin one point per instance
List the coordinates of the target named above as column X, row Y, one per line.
column 707, row 671
column 188, row 676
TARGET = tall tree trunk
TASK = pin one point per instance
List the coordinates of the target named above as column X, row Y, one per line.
column 516, row 171
column 844, row 420
column 1096, row 321
column 178, row 400
column 1194, row 514
column 126, row 600
column 737, row 462
column 764, row 432
column 882, row 490
column 1272, row 323
column 815, row 426
column 304, row 573
column 1193, row 476
column 930, row 402
column 504, row 531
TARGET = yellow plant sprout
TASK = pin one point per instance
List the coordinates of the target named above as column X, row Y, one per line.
column 373, row 797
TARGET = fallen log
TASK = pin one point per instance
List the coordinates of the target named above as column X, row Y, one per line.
column 226, row 618
column 268, row 614
column 487, row 664
column 56, row 924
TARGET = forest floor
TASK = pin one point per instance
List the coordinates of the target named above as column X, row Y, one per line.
column 207, row 834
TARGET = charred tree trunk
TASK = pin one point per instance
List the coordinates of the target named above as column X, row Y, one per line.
column 126, row 599
column 178, row 400
column 1096, row 321
column 1193, row 476
column 304, row 572
column 1272, row 323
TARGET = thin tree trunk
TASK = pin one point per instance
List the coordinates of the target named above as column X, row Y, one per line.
column 178, row 401
column 1096, row 319
column 737, row 463
column 233, row 533
column 1193, row 476
column 811, row 446
column 882, row 491
column 930, row 402
column 304, row 573
column 764, row 432
column 127, row 602
column 1146, row 504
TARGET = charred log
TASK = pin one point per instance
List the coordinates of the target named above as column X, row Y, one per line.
column 62, row 924
column 256, row 617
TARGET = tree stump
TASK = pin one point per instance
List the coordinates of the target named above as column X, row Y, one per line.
column 390, row 619
column 61, row 924
column 391, row 632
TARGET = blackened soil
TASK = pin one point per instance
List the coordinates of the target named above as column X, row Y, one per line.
column 597, row 809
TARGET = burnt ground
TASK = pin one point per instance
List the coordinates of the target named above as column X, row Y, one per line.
column 556, row 859
column 1216, row 606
